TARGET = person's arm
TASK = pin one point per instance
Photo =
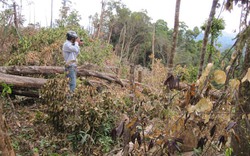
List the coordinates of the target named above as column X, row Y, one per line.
column 69, row 47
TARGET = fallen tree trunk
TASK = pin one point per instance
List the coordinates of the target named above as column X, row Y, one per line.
column 27, row 93
column 48, row 70
column 22, row 81
column 28, row 86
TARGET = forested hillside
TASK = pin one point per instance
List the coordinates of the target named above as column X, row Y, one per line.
column 142, row 87
column 225, row 40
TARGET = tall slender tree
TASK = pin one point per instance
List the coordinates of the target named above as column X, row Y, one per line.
column 101, row 19
column 205, row 39
column 51, row 11
column 153, row 46
column 170, row 62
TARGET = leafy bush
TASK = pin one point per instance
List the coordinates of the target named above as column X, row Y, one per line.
column 87, row 117
column 95, row 52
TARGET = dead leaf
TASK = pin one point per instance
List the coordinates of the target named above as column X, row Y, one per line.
column 151, row 144
column 120, row 153
column 131, row 147
column 247, row 76
column 148, row 129
column 132, row 124
column 206, row 117
column 204, row 75
column 212, row 131
column 228, row 67
column 18, row 123
column 234, row 84
column 236, row 137
column 220, row 77
column 204, row 105
column 147, row 106
column 120, row 129
column 230, row 125
column 222, row 140
column 234, row 54
column 202, row 142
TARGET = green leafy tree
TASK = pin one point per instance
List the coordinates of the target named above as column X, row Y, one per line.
column 68, row 17
column 216, row 30
column 162, row 40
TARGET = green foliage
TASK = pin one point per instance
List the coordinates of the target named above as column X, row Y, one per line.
column 197, row 152
column 106, row 143
column 6, row 89
column 43, row 46
column 188, row 74
column 228, row 151
column 95, row 52
column 217, row 26
column 85, row 115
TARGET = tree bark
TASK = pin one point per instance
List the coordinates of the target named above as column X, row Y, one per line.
column 21, row 81
column 153, row 46
column 15, row 16
column 211, row 49
column 5, row 142
column 101, row 19
column 170, row 62
column 205, row 39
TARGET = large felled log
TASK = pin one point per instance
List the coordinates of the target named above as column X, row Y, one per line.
column 22, row 81
column 47, row 70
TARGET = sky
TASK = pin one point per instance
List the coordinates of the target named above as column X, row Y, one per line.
column 192, row 12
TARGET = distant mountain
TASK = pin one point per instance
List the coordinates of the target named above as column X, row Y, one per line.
column 226, row 40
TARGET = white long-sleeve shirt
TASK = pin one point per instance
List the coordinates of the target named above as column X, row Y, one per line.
column 70, row 52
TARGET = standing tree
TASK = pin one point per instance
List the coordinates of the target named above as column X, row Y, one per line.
column 153, row 46
column 205, row 39
column 217, row 26
column 51, row 13
column 162, row 40
column 170, row 62
column 101, row 19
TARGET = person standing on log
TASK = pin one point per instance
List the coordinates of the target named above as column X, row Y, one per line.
column 71, row 49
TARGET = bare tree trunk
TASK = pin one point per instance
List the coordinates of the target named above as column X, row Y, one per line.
column 15, row 15
column 140, row 76
column 29, row 82
column 51, row 18
column 123, row 42
column 132, row 82
column 110, row 33
column 5, row 142
column 209, row 59
column 205, row 39
column 153, row 47
column 170, row 62
column 128, row 48
column 101, row 19
column 22, row 81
